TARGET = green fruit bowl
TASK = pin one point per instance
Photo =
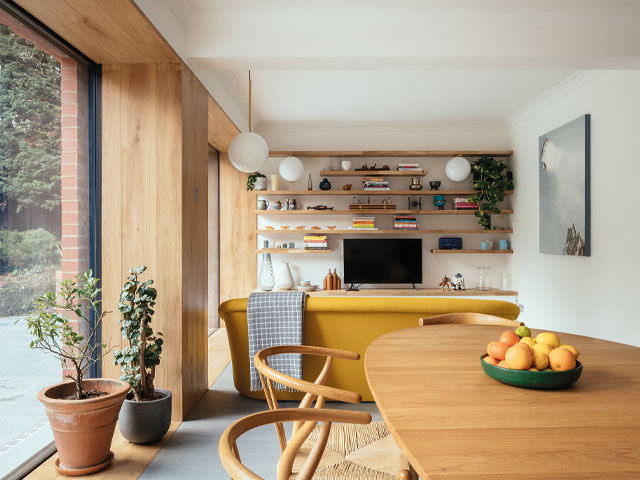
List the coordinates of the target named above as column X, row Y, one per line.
column 525, row 378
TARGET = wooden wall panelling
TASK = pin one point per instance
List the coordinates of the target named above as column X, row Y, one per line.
column 221, row 129
column 113, row 31
column 195, row 161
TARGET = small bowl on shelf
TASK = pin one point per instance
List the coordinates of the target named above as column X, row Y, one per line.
column 529, row 379
column 306, row 288
column 300, row 227
column 269, row 227
column 331, row 227
column 315, row 227
column 284, row 227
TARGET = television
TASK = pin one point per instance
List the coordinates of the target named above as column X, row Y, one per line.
column 385, row 260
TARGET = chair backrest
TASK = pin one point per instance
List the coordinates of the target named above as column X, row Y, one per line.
column 469, row 318
column 230, row 456
column 314, row 391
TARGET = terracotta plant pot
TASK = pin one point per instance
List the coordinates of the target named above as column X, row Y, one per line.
column 83, row 429
column 146, row 422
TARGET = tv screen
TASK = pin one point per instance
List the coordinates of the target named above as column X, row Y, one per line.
column 382, row 260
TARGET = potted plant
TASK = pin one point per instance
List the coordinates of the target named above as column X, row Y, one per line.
column 257, row 181
column 491, row 179
column 146, row 414
column 82, row 412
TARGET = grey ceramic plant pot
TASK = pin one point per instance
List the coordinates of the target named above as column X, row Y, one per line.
column 146, row 422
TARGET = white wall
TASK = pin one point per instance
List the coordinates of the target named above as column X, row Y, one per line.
column 598, row 295
column 314, row 267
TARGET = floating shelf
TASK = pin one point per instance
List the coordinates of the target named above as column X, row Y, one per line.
column 362, row 192
column 390, row 153
column 372, row 173
column 397, row 232
column 373, row 212
column 471, row 251
column 290, row 250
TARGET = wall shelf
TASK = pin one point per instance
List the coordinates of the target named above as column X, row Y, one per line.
column 296, row 251
column 471, row 251
column 362, row 192
column 390, row 153
column 459, row 231
column 372, row 173
column 411, row 292
column 372, row 212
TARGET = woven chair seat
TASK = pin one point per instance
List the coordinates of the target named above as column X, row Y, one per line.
column 355, row 452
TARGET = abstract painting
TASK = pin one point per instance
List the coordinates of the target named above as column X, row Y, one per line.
column 564, row 189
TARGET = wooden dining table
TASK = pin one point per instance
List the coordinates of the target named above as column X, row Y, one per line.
column 454, row 422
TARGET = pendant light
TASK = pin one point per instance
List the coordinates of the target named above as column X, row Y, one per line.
column 248, row 151
column 458, row 169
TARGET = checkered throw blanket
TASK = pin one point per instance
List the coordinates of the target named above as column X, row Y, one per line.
column 275, row 319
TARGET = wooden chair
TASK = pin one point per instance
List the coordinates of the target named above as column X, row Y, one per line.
column 230, row 456
column 354, row 451
column 469, row 318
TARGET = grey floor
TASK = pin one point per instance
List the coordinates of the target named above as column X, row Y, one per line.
column 192, row 451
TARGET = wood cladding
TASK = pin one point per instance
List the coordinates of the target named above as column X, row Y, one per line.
column 154, row 157
column 221, row 129
column 390, row 153
column 113, row 31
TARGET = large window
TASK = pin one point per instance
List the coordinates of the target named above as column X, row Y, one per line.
column 46, row 213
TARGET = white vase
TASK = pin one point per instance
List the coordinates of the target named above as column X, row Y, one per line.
column 284, row 279
column 261, row 183
column 346, row 165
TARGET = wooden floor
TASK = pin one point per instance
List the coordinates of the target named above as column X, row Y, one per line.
column 131, row 460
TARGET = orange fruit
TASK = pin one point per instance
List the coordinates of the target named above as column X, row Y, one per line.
column 525, row 346
column 518, row 358
column 509, row 337
column 498, row 350
column 561, row 359
column 503, row 364
column 490, row 360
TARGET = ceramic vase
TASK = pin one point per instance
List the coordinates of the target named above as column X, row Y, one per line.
column 346, row 165
column 261, row 183
column 284, row 279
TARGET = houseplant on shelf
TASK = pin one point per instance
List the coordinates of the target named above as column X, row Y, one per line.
column 257, row 181
column 82, row 412
column 491, row 179
column 146, row 414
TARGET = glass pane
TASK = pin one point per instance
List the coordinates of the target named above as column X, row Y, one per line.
column 44, row 218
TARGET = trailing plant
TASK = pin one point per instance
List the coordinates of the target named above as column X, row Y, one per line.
column 139, row 360
column 491, row 178
column 54, row 333
column 251, row 180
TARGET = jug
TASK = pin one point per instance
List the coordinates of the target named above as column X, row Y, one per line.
column 263, row 204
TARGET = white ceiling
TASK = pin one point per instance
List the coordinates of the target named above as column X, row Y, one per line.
column 396, row 60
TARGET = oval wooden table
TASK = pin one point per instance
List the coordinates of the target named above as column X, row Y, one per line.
column 454, row 422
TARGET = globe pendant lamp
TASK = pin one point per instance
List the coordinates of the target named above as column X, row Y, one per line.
column 248, row 151
column 291, row 169
column 458, row 169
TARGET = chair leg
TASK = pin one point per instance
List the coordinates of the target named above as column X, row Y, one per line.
column 408, row 475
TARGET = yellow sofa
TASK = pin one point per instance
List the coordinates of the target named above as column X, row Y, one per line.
column 349, row 324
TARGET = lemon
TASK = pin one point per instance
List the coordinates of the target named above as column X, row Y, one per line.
column 528, row 340
column 549, row 338
column 540, row 360
column 573, row 350
column 542, row 348
column 523, row 331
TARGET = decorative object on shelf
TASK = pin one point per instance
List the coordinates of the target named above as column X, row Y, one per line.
column 367, row 168
column 284, row 227
column 484, row 279
column 507, row 281
column 315, row 242
column 263, row 204
column 275, row 182
column 405, row 222
column 458, row 282
column 414, row 204
column 445, row 283
column 309, row 183
column 346, row 165
column 491, row 178
column 266, row 280
column 277, row 205
column 320, row 207
column 435, row 184
column 269, row 227
column 461, row 203
column 292, row 204
column 565, row 190
column 325, row 184
column 292, row 245
column 315, row 227
column 332, row 281
column 450, row 243
column 291, row 169
column 439, row 201
column 334, row 164
column 503, row 244
column 484, row 245
column 256, row 181
column 331, row 227
column 415, row 184
column 347, row 186
column 375, row 184
column 410, row 167
column 284, row 278
column 372, row 206
column 300, row 227
column 306, row 288
column 248, row 151
column 458, row 169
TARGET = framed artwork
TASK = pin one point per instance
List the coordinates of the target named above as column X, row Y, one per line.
column 564, row 165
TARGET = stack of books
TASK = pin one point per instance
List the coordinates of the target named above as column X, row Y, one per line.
column 375, row 184
column 363, row 223
column 464, row 204
column 315, row 242
column 405, row 222
column 410, row 167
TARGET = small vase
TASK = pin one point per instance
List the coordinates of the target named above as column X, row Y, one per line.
column 325, row 184
column 415, row 184
column 261, row 183
column 346, row 165
column 284, row 280
column 265, row 279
